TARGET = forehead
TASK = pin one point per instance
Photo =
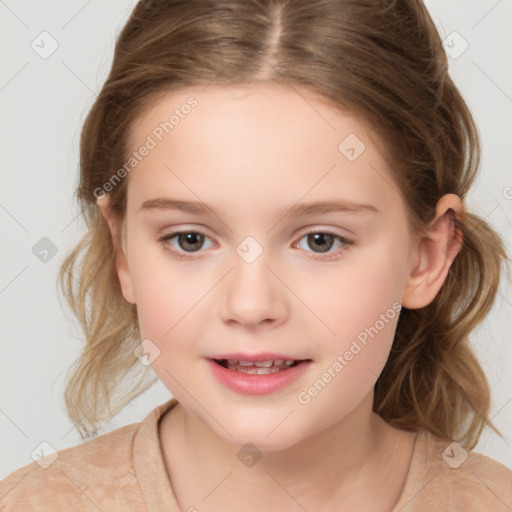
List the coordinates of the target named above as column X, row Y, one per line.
column 263, row 140
column 243, row 110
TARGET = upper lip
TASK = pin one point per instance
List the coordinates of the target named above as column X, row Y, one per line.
column 256, row 358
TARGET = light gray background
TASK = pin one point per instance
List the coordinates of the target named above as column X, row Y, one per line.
column 44, row 102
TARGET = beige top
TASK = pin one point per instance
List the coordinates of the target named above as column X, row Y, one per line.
column 124, row 470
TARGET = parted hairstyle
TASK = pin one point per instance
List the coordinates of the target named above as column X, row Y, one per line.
column 382, row 60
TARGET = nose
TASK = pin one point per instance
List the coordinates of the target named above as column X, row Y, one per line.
column 253, row 295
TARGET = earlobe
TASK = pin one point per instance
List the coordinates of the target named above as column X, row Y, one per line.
column 121, row 263
column 434, row 254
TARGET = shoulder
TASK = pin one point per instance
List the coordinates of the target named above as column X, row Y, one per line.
column 95, row 474
column 443, row 475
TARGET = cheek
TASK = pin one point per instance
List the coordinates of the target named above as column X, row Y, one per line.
column 166, row 305
column 165, row 293
column 168, row 315
column 361, row 305
column 364, row 321
column 157, row 301
column 355, row 295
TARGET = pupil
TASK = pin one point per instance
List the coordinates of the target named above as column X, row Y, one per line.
column 191, row 240
column 319, row 238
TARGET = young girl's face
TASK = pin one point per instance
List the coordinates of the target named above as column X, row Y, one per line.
column 258, row 276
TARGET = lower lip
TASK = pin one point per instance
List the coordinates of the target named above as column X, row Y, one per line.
column 257, row 384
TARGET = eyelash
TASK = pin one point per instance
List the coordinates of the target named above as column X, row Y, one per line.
column 317, row 256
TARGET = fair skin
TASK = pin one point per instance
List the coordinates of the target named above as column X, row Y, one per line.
column 249, row 152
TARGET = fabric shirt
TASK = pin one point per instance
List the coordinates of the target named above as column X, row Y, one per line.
column 124, row 470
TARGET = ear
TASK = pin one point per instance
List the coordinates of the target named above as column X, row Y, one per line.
column 434, row 254
column 121, row 263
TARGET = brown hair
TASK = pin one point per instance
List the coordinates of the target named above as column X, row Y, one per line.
column 380, row 59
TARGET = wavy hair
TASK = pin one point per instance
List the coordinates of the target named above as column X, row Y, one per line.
column 380, row 59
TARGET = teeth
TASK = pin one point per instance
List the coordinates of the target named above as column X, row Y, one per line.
column 260, row 367
column 260, row 364
column 264, row 371
column 265, row 364
column 257, row 371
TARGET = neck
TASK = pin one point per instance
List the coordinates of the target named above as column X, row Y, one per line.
column 349, row 461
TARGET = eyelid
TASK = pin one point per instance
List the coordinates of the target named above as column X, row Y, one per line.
column 326, row 230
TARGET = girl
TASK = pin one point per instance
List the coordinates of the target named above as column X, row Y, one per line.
column 275, row 198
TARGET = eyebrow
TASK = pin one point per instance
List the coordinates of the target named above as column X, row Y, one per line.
column 298, row 210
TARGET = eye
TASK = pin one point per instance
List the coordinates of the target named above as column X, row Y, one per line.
column 183, row 244
column 324, row 241
column 186, row 242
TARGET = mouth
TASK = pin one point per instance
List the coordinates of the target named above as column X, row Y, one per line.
column 257, row 374
column 259, row 367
